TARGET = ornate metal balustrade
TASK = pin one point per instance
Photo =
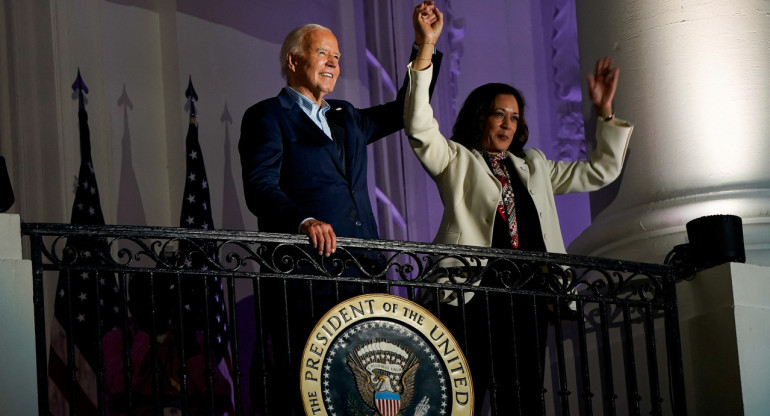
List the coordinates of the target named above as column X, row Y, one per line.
column 185, row 314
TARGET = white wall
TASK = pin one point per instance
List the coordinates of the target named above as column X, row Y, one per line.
column 18, row 393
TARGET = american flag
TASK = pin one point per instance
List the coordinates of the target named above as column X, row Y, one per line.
column 196, row 213
column 86, row 305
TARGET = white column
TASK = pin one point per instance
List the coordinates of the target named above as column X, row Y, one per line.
column 694, row 81
column 724, row 316
column 18, row 368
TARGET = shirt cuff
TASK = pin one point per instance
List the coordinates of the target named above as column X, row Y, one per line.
column 299, row 229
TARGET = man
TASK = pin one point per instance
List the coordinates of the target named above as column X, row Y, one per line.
column 304, row 170
column 304, row 158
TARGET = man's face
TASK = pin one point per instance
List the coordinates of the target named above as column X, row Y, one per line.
column 314, row 73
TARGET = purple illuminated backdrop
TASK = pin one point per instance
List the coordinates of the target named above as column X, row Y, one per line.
column 532, row 46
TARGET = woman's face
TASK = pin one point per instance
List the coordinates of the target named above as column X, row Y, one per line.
column 501, row 124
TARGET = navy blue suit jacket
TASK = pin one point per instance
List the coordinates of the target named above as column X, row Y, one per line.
column 292, row 170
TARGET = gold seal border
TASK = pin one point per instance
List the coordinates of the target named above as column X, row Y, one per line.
column 365, row 307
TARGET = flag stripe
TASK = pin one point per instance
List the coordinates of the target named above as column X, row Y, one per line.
column 59, row 404
column 388, row 407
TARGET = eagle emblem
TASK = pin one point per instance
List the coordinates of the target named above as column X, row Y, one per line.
column 384, row 372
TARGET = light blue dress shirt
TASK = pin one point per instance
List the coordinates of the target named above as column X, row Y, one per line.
column 316, row 112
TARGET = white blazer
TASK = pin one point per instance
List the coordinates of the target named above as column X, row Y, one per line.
column 470, row 191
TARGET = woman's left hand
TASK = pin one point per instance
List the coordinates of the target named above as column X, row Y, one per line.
column 602, row 85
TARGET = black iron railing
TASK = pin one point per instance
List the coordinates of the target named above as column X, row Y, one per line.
column 186, row 317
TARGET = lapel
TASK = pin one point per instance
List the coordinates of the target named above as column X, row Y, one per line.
column 340, row 127
column 308, row 129
column 340, row 142
column 480, row 159
column 521, row 167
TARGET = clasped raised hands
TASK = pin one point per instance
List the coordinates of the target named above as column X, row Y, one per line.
column 428, row 22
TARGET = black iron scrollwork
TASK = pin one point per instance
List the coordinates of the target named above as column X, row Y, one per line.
column 127, row 249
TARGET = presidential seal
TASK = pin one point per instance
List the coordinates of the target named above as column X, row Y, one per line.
column 382, row 355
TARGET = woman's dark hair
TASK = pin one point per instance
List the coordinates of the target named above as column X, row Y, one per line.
column 470, row 122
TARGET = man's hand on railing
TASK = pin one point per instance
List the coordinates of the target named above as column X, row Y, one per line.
column 321, row 236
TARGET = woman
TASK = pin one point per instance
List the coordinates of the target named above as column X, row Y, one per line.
column 498, row 194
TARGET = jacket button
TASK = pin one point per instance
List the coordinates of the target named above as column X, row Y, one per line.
column 358, row 223
column 531, row 191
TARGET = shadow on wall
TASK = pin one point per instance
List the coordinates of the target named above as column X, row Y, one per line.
column 130, row 207
column 232, row 217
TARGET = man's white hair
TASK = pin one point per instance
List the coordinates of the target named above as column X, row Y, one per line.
column 295, row 42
